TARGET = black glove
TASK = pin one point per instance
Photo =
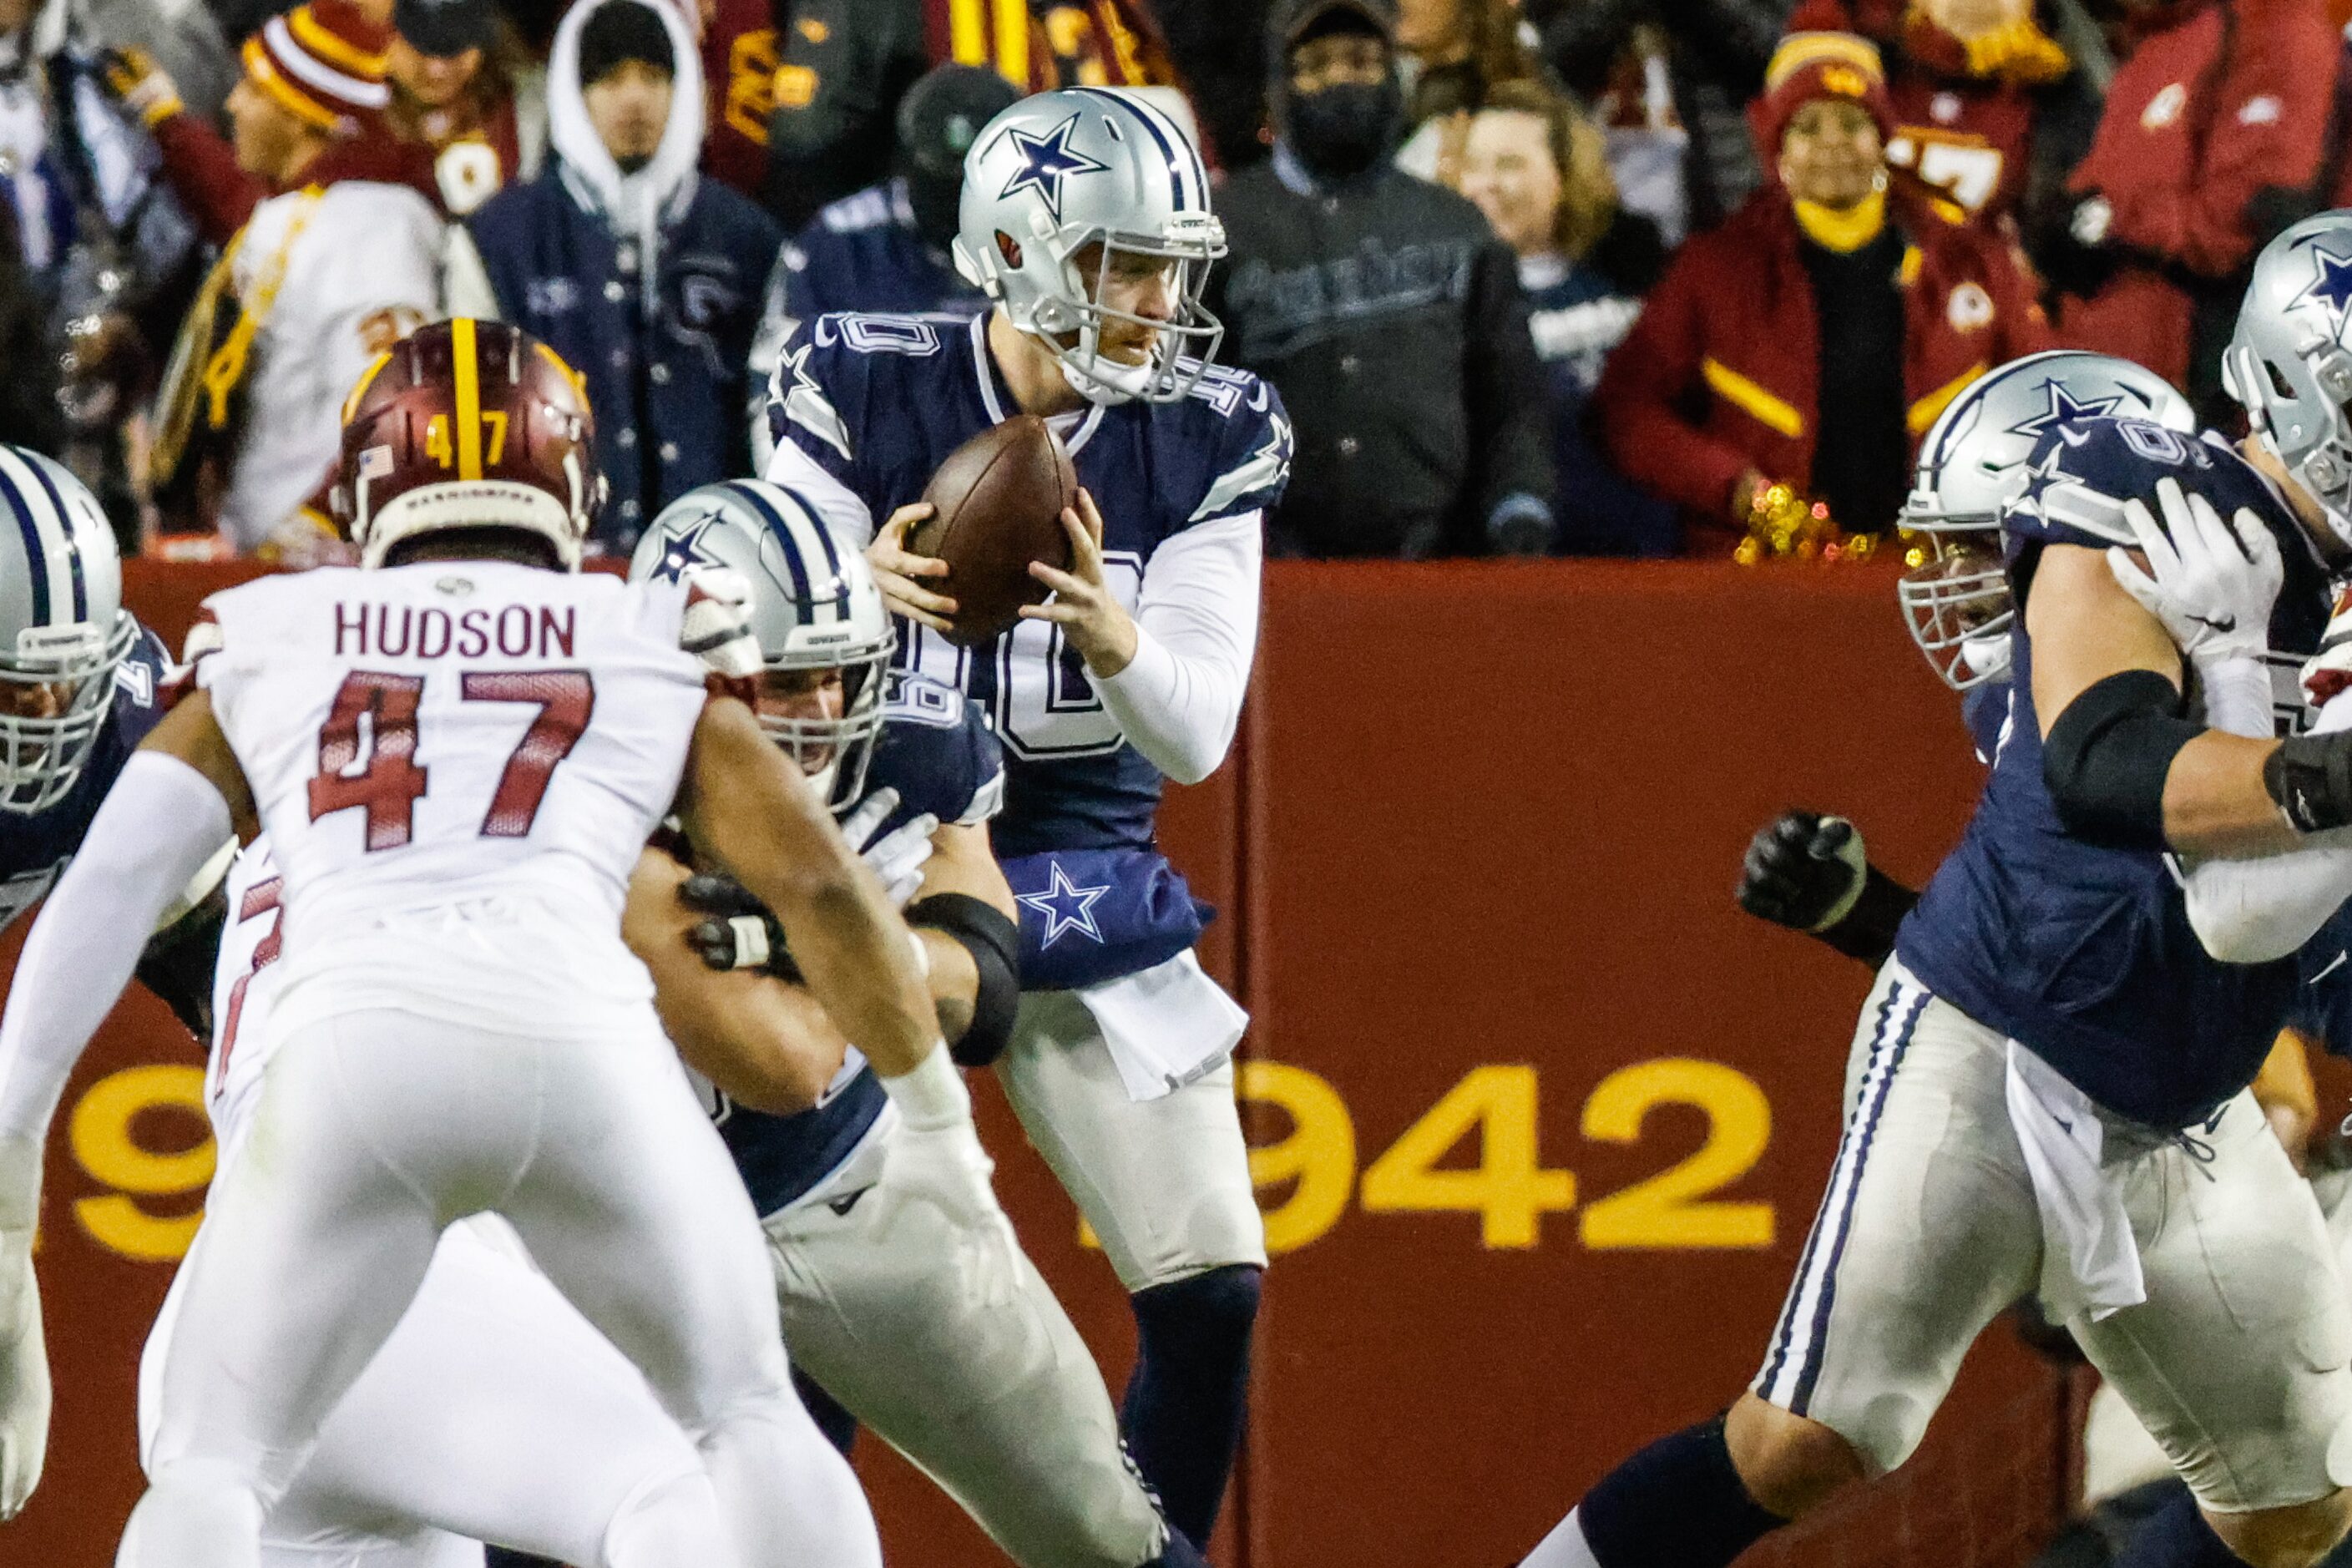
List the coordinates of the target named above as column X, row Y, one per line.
column 1803, row 870
column 740, row 933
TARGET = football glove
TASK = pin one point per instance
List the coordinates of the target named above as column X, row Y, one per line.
column 935, row 1160
column 2210, row 583
column 742, row 934
column 1803, row 870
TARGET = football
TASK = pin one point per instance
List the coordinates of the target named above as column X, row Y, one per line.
column 1000, row 497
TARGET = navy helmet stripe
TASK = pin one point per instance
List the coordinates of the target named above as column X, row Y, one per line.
column 36, row 560
column 1179, row 183
column 73, row 545
column 816, row 520
column 794, row 550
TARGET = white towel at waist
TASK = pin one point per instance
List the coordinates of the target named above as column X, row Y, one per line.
column 1165, row 1026
column 2090, row 1261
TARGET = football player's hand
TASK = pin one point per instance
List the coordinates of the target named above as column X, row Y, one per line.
column 23, row 1376
column 897, row 572
column 739, row 933
column 2211, row 584
column 944, row 1166
column 1082, row 606
column 140, row 84
column 896, row 856
column 1803, row 870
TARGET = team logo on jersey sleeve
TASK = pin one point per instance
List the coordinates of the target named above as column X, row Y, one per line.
column 1045, row 161
column 1066, row 907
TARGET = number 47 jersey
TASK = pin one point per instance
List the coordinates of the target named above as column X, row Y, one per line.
column 456, row 763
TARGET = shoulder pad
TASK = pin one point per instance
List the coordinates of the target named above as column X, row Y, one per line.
column 2085, row 472
column 1253, row 446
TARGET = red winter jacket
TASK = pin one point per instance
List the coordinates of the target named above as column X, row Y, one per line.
column 1721, row 372
column 201, row 166
column 2203, row 117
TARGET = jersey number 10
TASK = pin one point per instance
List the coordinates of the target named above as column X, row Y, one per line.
column 388, row 787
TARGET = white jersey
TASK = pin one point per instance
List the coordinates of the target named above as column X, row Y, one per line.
column 335, row 278
column 456, row 763
column 244, row 978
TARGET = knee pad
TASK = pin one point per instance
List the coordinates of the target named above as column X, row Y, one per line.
column 1218, row 1304
column 667, row 1519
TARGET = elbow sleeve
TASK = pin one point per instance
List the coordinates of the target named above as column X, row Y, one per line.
column 994, row 943
column 2106, row 759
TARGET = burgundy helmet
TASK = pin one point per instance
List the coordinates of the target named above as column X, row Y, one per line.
column 466, row 424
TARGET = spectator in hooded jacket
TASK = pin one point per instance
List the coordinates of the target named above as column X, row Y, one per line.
column 1387, row 312
column 1538, row 168
column 2213, row 140
column 1839, row 287
column 645, row 276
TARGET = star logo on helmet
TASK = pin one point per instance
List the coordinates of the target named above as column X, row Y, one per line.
column 683, row 552
column 1045, row 161
column 2333, row 286
column 2064, row 409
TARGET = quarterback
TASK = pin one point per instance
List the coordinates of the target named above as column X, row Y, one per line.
column 1084, row 219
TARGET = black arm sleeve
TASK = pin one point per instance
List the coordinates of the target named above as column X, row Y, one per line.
column 1867, row 931
column 1504, row 388
column 178, row 962
column 2106, row 759
column 994, row 943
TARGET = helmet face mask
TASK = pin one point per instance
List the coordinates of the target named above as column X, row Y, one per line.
column 2289, row 366
column 1976, row 462
column 1060, row 173
column 63, row 630
column 815, row 611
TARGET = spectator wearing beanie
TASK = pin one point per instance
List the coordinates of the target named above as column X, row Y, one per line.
column 323, row 65
column 1539, row 171
column 1386, row 311
column 1969, row 81
column 451, row 69
column 641, row 274
column 317, row 280
column 1839, row 287
column 2213, row 140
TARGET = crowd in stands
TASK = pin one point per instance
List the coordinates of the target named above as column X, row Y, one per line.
column 1534, row 277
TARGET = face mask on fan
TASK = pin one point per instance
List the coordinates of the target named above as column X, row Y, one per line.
column 1345, row 128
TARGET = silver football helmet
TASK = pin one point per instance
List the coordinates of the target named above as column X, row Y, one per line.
column 2289, row 366
column 1972, row 464
column 63, row 629
column 1061, row 171
column 813, row 608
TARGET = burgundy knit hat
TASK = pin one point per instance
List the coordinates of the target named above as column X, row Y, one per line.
column 1812, row 65
column 323, row 63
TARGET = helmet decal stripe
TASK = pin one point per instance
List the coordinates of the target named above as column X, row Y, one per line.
column 1179, row 184
column 37, row 559
column 72, row 544
column 831, row 554
column 466, row 364
column 787, row 545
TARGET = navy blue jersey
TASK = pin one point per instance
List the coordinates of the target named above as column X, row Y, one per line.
column 1984, row 710
column 935, row 750
column 879, row 402
column 2322, row 1001
column 2085, row 954
column 864, row 253
column 35, row 849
